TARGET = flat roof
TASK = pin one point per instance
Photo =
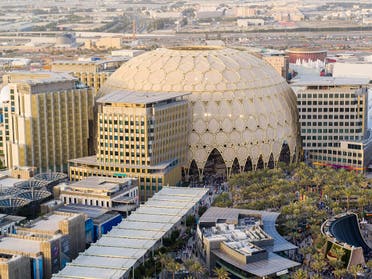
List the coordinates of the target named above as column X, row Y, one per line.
column 231, row 215
column 89, row 210
column 329, row 81
column 131, row 239
column 135, row 97
column 99, row 183
column 273, row 264
column 20, row 245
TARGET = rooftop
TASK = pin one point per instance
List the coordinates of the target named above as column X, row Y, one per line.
column 127, row 243
column 37, row 77
column 329, row 81
column 100, row 183
column 49, row 222
column 135, row 97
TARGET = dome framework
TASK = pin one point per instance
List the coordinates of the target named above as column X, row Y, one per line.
column 243, row 114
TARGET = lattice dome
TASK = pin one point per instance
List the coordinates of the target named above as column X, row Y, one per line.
column 240, row 105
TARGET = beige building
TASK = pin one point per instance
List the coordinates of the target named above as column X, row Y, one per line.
column 90, row 73
column 14, row 267
column 279, row 62
column 45, row 253
column 119, row 194
column 105, row 43
column 46, row 120
column 333, row 117
column 68, row 224
column 139, row 135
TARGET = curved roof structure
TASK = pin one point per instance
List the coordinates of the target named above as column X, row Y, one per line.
column 31, row 184
column 50, row 176
column 241, row 108
column 345, row 229
column 12, row 202
column 34, row 195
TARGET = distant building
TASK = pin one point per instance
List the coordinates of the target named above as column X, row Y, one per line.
column 243, row 242
column 333, row 118
column 45, row 120
column 120, row 194
column 90, row 73
column 139, row 135
column 306, row 55
column 246, row 22
column 352, row 70
column 279, row 62
column 105, row 43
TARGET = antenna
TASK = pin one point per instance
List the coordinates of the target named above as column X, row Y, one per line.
column 134, row 29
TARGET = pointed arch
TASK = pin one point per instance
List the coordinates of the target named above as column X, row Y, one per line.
column 271, row 163
column 235, row 167
column 215, row 165
column 194, row 170
column 260, row 163
column 285, row 154
column 248, row 165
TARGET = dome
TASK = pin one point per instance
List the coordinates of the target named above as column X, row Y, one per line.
column 243, row 111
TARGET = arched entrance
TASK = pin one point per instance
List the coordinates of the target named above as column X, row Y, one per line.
column 248, row 165
column 193, row 172
column 285, row 154
column 271, row 163
column 215, row 167
column 260, row 163
column 235, row 167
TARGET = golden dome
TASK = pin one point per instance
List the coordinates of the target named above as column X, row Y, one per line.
column 240, row 105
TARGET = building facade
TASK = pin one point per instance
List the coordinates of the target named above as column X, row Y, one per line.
column 333, row 118
column 142, row 136
column 112, row 193
column 279, row 62
column 90, row 73
column 45, row 120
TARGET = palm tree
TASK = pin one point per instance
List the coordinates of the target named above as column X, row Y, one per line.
column 163, row 259
column 221, row 273
column 355, row 269
column 318, row 263
column 194, row 267
column 172, row 266
column 300, row 274
column 339, row 272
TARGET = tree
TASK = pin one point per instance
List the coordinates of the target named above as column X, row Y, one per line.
column 355, row 270
column 318, row 263
column 194, row 267
column 300, row 274
column 164, row 259
column 172, row 266
column 221, row 273
column 339, row 272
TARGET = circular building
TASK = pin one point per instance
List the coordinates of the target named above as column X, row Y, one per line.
column 244, row 115
column 306, row 54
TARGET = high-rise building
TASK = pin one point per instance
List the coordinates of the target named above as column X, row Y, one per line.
column 45, row 120
column 91, row 73
column 333, row 117
column 139, row 135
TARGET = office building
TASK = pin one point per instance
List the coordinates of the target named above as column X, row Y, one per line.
column 333, row 117
column 45, row 120
column 116, row 254
column 139, row 135
column 243, row 242
column 242, row 113
column 92, row 73
column 119, row 194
